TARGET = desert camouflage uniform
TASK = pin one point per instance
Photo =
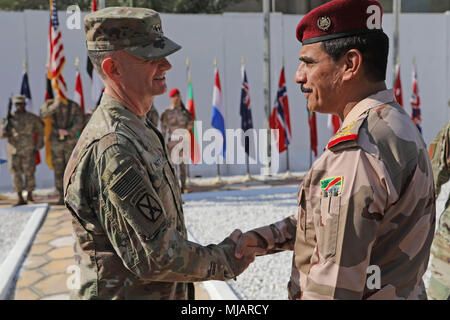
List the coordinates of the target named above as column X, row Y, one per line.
column 64, row 116
column 153, row 116
column 130, row 236
column 22, row 148
column 367, row 201
column 171, row 119
column 439, row 287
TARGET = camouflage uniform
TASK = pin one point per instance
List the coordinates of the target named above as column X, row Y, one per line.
column 22, row 148
column 367, row 201
column 153, row 116
column 171, row 119
column 439, row 287
column 130, row 236
column 64, row 116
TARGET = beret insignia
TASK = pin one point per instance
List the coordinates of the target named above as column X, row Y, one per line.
column 324, row 23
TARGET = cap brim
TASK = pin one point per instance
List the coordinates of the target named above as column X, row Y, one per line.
column 158, row 49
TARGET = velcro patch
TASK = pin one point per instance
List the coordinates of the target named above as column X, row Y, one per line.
column 331, row 186
column 149, row 207
column 126, row 183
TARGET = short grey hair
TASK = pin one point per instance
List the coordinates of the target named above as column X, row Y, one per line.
column 97, row 58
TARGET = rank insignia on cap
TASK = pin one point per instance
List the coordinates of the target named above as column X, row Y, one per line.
column 324, row 23
column 331, row 187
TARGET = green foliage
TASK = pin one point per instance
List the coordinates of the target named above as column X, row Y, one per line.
column 169, row 6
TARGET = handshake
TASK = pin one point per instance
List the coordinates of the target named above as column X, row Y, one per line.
column 240, row 250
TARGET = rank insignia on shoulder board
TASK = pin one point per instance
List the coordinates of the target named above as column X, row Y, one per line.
column 331, row 187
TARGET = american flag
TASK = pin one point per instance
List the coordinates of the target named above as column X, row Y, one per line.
column 280, row 118
column 245, row 111
column 56, row 58
column 415, row 101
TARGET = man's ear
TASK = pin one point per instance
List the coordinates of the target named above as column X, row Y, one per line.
column 352, row 64
column 110, row 67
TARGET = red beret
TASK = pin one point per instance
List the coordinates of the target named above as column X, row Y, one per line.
column 339, row 19
column 174, row 92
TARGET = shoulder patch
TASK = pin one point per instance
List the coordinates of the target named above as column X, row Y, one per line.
column 149, row 207
column 346, row 137
column 126, row 183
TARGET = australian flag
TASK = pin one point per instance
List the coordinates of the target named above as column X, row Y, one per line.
column 245, row 111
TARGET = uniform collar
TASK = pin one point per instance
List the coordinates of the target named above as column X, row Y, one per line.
column 375, row 100
column 122, row 110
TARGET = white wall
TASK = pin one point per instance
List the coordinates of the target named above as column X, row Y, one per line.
column 228, row 37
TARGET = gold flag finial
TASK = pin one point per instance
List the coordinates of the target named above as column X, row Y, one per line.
column 188, row 62
column 243, row 60
column 215, row 62
column 24, row 64
column 77, row 62
column 414, row 60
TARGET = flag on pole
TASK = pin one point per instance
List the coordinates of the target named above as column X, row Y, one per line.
column 334, row 123
column 398, row 86
column 193, row 132
column 96, row 82
column 280, row 118
column 25, row 90
column 217, row 120
column 245, row 111
column 312, row 130
column 78, row 96
column 415, row 101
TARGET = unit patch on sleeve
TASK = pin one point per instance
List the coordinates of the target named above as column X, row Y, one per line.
column 126, row 183
column 149, row 207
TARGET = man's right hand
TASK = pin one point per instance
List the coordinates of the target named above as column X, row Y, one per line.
column 249, row 241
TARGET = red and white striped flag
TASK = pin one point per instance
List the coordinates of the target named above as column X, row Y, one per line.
column 78, row 95
column 334, row 123
column 398, row 86
column 56, row 58
column 415, row 101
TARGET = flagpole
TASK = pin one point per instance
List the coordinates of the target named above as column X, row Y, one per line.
column 267, row 100
column 188, row 165
column 397, row 7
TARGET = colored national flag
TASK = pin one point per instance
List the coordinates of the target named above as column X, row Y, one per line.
column 313, row 130
column 78, row 96
column 217, row 120
column 245, row 111
column 415, row 101
column 280, row 117
column 398, row 86
column 334, row 123
column 97, row 86
column 25, row 90
column 193, row 132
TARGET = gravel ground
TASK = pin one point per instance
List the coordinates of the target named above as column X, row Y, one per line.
column 12, row 222
column 211, row 217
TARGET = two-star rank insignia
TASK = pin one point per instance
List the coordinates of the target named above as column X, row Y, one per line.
column 149, row 207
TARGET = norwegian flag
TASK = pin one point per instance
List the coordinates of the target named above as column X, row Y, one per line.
column 415, row 101
column 78, row 95
column 245, row 111
column 280, row 119
column 56, row 58
column 398, row 86
column 334, row 123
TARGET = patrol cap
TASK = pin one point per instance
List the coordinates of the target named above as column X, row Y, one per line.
column 174, row 92
column 19, row 99
column 136, row 30
column 339, row 19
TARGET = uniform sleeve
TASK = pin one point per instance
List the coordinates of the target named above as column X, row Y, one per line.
column 77, row 121
column 47, row 109
column 349, row 202
column 440, row 158
column 39, row 129
column 2, row 128
column 142, row 234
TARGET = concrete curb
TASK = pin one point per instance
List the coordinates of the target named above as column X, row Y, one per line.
column 13, row 261
column 217, row 290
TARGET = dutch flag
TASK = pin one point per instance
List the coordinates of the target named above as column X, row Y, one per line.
column 218, row 120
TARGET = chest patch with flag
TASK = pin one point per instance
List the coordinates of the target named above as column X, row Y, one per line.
column 331, row 186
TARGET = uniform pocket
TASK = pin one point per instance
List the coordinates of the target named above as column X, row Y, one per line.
column 328, row 225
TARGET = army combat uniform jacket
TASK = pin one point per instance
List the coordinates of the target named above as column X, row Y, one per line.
column 130, row 236
column 366, row 208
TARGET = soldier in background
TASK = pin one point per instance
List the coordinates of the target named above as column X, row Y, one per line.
column 153, row 116
column 366, row 209
column 67, row 123
column 22, row 149
column 439, row 288
column 176, row 116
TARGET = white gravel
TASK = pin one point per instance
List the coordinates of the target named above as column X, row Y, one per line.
column 211, row 217
column 12, row 222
